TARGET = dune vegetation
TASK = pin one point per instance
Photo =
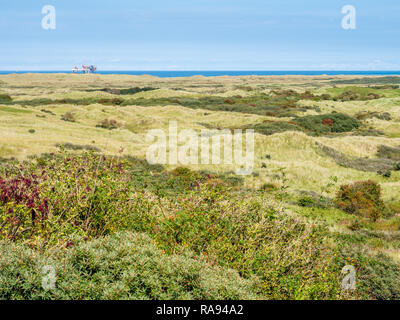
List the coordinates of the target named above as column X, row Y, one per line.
column 77, row 194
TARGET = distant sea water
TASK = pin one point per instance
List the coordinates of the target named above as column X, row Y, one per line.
column 173, row 74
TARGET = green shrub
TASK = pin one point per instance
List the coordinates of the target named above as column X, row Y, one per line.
column 361, row 198
column 363, row 132
column 269, row 187
column 363, row 164
column 263, row 165
column 385, row 173
column 5, row 98
column 58, row 195
column 136, row 90
column 326, row 96
column 355, row 225
column 68, row 116
column 377, row 276
column 111, row 102
column 124, row 91
column 271, row 127
column 369, row 80
column 122, row 266
column 313, row 199
column 306, row 202
column 383, row 116
column 108, row 124
column 363, row 115
column 392, row 208
column 381, row 278
column 255, row 240
column 86, row 196
column 328, row 123
column 47, row 202
column 48, row 111
column 72, row 146
column 388, row 152
column 357, row 94
column 280, row 104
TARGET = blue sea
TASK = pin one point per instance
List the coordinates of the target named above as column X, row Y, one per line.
column 173, row 74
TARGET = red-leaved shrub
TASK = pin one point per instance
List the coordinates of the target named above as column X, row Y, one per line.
column 327, row 122
column 361, row 198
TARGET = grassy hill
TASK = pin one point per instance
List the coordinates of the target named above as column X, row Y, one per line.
column 77, row 193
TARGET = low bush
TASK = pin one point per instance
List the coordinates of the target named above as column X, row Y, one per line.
column 388, row 152
column 136, row 90
column 125, row 91
column 48, row 201
column 5, row 98
column 55, row 199
column 254, row 241
column 313, row 199
column 50, row 198
column 122, row 266
column 380, row 277
column 377, row 276
column 108, row 124
column 271, row 127
column 269, row 187
column 111, row 102
column 280, row 104
column 328, row 123
column 388, row 86
column 72, row 146
column 48, row 111
column 368, row 132
column 357, row 94
column 68, row 116
column 313, row 125
column 369, row 80
column 363, row 164
column 361, row 198
column 383, row 116
column 385, row 173
column 263, row 165
column 307, row 201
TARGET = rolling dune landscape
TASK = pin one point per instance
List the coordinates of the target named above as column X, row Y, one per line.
column 77, row 193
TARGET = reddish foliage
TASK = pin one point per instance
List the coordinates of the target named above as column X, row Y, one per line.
column 361, row 198
column 327, row 122
column 25, row 191
column 229, row 101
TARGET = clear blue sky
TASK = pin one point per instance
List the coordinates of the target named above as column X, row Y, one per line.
column 200, row 35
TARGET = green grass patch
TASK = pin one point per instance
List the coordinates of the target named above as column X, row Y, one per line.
column 14, row 110
column 354, row 93
column 369, row 80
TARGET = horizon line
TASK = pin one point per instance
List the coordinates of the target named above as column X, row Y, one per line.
column 212, row 70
